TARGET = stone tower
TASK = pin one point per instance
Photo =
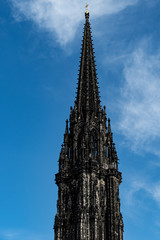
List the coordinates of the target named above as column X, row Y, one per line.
column 88, row 206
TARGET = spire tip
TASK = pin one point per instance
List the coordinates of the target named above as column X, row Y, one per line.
column 87, row 8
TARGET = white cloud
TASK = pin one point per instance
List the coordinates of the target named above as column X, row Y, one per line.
column 62, row 17
column 140, row 107
column 152, row 189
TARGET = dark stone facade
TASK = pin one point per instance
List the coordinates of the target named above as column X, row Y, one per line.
column 88, row 206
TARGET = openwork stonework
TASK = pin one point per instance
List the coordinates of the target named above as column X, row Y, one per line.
column 88, row 206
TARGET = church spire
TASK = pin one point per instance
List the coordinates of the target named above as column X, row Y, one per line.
column 88, row 100
column 88, row 180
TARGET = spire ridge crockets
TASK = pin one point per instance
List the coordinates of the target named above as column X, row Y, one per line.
column 88, row 99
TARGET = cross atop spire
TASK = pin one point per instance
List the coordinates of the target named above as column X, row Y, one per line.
column 88, row 100
column 87, row 8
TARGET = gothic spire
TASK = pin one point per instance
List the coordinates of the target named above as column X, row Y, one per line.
column 88, row 100
column 88, row 205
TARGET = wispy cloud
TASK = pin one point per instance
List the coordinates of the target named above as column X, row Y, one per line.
column 63, row 17
column 21, row 234
column 140, row 105
column 155, row 164
column 9, row 235
column 138, row 185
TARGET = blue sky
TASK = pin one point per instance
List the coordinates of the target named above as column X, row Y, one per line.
column 40, row 50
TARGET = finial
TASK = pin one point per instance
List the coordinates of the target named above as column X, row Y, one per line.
column 109, row 125
column 86, row 8
column 66, row 131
